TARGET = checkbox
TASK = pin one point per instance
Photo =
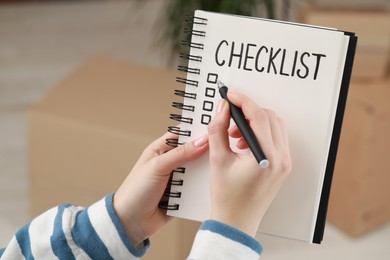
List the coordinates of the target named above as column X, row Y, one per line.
column 208, row 105
column 206, row 119
column 210, row 92
column 212, row 78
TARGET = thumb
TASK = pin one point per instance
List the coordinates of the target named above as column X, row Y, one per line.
column 218, row 132
column 182, row 154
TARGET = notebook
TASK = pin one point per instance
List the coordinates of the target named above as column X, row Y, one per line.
column 301, row 72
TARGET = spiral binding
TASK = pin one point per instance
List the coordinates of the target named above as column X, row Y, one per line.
column 173, row 142
column 195, row 20
column 188, row 69
column 195, row 45
column 194, row 32
column 190, row 57
column 164, row 204
column 181, row 170
column 183, row 106
column 184, row 94
column 176, row 130
column 180, row 118
column 187, row 81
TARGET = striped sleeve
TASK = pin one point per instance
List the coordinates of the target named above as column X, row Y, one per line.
column 216, row 240
column 71, row 232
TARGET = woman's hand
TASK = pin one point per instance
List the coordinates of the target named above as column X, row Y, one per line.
column 136, row 201
column 241, row 191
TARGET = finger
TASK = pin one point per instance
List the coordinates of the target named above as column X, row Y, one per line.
column 258, row 120
column 241, row 144
column 218, row 133
column 276, row 131
column 284, row 131
column 160, row 146
column 234, row 132
column 181, row 155
column 285, row 141
column 249, row 108
column 282, row 145
column 157, row 147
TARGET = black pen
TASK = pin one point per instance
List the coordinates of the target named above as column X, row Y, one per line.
column 242, row 124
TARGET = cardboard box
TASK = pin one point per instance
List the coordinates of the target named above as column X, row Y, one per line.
column 372, row 57
column 360, row 196
column 88, row 132
column 361, row 4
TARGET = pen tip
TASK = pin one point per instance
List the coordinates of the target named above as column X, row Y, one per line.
column 220, row 84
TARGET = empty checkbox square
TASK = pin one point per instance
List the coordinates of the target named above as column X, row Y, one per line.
column 210, row 92
column 212, row 78
column 206, row 119
column 208, row 105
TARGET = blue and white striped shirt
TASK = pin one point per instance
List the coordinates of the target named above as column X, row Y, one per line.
column 71, row 232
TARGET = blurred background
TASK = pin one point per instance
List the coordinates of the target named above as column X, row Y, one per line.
column 43, row 43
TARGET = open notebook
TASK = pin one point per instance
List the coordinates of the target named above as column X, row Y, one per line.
column 300, row 71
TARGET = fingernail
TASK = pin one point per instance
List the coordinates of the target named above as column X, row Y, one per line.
column 200, row 141
column 221, row 103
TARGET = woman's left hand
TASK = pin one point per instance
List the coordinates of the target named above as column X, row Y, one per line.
column 136, row 201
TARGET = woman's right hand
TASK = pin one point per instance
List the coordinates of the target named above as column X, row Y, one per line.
column 241, row 191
